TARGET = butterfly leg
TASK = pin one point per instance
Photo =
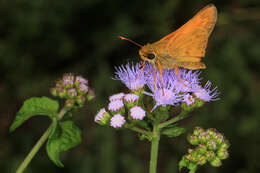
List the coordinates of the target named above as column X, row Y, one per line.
column 161, row 74
column 154, row 78
column 177, row 73
column 142, row 66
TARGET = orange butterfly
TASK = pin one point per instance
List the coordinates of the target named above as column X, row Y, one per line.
column 184, row 47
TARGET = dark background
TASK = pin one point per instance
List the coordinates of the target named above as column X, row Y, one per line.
column 42, row 39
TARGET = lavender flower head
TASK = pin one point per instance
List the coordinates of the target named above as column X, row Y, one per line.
column 189, row 80
column 168, row 89
column 100, row 114
column 83, row 88
column 131, row 76
column 117, row 121
column 166, row 94
column 137, row 113
column 102, row 117
column 81, row 80
column 130, row 98
column 72, row 92
column 206, row 94
column 115, row 105
column 188, row 99
column 68, row 79
column 118, row 96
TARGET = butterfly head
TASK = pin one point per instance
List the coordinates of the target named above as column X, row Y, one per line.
column 147, row 53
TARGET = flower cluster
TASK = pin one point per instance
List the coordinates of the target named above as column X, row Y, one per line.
column 119, row 105
column 211, row 147
column 168, row 88
column 74, row 89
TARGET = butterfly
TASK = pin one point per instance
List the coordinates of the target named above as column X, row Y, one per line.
column 184, row 47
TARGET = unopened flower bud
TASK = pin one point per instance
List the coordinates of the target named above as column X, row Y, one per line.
column 72, row 93
column 202, row 160
column 68, row 80
column 224, row 145
column 212, row 132
column 80, row 100
column 81, row 80
column 192, row 166
column 62, row 92
column 83, row 88
column 54, row 91
column 222, row 154
column 204, row 137
column 202, row 149
column 183, row 163
column 211, row 144
column 197, row 131
column 193, row 140
column 91, row 95
column 216, row 162
column 190, row 150
column 69, row 103
column 102, row 117
column 131, row 100
column 219, row 138
column 210, row 155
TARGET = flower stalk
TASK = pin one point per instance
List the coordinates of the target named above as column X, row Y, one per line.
column 154, row 149
column 40, row 142
column 34, row 150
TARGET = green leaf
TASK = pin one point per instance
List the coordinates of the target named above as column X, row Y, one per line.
column 173, row 131
column 35, row 106
column 65, row 136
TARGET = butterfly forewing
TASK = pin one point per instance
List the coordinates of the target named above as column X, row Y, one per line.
column 186, row 46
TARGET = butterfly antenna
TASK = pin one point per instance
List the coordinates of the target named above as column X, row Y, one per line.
column 124, row 38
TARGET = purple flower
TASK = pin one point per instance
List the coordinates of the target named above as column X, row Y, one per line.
column 189, row 82
column 118, row 96
column 115, row 105
column 188, row 99
column 81, row 80
column 206, row 94
column 72, row 92
column 130, row 98
column 83, row 87
column 117, row 121
column 168, row 94
column 68, row 79
column 131, row 76
column 102, row 117
column 137, row 113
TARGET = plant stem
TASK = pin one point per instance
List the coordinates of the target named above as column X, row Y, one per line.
column 137, row 129
column 40, row 142
column 34, row 150
column 154, row 148
column 173, row 120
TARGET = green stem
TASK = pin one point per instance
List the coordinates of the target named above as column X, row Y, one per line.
column 173, row 120
column 34, row 150
column 137, row 129
column 154, row 148
column 40, row 142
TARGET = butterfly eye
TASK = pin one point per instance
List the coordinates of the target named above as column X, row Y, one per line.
column 150, row 56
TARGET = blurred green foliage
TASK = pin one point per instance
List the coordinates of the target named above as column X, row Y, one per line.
column 42, row 39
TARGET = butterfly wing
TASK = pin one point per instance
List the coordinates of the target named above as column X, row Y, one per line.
column 186, row 46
